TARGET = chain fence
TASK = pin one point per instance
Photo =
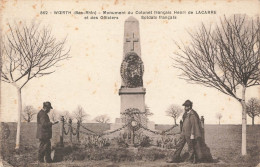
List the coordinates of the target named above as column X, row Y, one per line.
column 99, row 139
column 161, row 133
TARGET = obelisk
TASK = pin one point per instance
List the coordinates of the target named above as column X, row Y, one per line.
column 132, row 92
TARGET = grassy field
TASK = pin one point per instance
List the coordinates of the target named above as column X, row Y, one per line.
column 224, row 142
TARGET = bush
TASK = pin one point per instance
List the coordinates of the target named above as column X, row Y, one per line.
column 113, row 154
column 121, row 142
column 145, row 142
column 117, row 154
column 95, row 141
column 167, row 142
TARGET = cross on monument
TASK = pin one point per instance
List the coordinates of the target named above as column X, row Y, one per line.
column 132, row 40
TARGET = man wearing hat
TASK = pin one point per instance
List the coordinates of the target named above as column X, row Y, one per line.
column 190, row 131
column 44, row 133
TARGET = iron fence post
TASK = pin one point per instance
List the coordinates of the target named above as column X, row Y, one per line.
column 70, row 127
column 202, row 125
column 61, row 131
column 78, row 126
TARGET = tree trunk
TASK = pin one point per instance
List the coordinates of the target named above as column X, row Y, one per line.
column 19, row 93
column 175, row 121
column 243, row 103
column 219, row 121
column 253, row 120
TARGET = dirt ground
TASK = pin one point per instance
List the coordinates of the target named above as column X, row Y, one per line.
column 136, row 164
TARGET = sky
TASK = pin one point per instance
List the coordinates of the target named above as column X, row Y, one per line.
column 91, row 77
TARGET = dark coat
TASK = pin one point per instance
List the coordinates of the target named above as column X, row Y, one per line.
column 191, row 124
column 202, row 151
column 44, row 126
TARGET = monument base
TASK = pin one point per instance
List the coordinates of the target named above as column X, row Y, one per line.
column 132, row 98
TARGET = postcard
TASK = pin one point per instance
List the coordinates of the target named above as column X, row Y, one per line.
column 130, row 83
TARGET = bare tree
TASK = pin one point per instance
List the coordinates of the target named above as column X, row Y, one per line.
column 174, row 111
column 218, row 116
column 225, row 57
column 66, row 115
column 102, row 119
column 28, row 113
column 29, row 52
column 253, row 108
column 54, row 115
column 80, row 114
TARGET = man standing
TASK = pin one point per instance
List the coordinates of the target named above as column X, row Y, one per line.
column 44, row 133
column 191, row 131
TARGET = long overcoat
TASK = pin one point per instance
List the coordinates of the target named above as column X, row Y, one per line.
column 44, row 126
column 192, row 125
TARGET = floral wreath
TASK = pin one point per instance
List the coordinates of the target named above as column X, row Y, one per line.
column 132, row 122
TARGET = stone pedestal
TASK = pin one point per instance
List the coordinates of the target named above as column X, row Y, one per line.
column 132, row 98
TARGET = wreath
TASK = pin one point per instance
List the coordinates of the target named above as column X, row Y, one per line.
column 132, row 70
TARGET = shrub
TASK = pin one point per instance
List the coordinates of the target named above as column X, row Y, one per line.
column 146, row 141
column 113, row 154
column 95, row 141
column 167, row 142
column 121, row 142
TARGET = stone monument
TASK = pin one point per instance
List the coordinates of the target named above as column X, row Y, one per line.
column 132, row 92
